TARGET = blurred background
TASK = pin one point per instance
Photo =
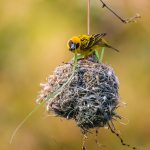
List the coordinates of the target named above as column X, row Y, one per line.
column 33, row 36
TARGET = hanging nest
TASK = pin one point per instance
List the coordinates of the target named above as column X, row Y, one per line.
column 90, row 98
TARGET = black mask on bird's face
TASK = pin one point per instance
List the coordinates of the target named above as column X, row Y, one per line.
column 72, row 45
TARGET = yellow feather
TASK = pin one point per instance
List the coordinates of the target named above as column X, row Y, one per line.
column 88, row 44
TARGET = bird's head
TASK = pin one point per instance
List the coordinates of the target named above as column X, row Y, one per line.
column 74, row 43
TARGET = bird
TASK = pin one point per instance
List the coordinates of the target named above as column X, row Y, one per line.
column 85, row 45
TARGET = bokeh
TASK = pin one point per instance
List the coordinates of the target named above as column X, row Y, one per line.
column 33, row 36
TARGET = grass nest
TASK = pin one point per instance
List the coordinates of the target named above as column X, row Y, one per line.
column 90, row 98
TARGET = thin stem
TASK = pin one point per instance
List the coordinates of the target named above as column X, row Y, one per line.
column 120, row 138
column 53, row 95
column 25, row 119
column 128, row 20
column 102, row 54
column 70, row 78
column 88, row 17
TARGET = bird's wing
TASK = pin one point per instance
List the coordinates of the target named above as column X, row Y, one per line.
column 98, row 40
column 94, row 39
column 87, row 42
column 99, row 36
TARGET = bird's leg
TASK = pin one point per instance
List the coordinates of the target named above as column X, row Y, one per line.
column 97, row 55
column 80, row 57
column 102, row 54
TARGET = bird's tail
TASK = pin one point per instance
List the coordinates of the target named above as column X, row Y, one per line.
column 103, row 43
column 109, row 46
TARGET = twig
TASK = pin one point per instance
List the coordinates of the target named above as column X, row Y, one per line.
column 120, row 138
column 128, row 20
column 84, row 141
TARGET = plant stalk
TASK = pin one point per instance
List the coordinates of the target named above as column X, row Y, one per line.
column 88, row 17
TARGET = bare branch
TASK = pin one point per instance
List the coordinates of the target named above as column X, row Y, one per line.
column 128, row 20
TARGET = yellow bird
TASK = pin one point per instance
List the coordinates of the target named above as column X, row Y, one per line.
column 86, row 44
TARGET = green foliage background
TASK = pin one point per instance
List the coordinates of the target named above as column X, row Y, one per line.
column 33, row 36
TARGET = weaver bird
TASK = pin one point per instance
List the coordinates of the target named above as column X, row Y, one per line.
column 86, row 44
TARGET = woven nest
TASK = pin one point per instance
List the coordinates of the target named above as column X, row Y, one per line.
column 90, row 98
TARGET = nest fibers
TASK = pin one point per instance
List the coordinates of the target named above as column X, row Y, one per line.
column 90, row 98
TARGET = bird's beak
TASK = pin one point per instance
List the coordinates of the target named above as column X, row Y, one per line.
column 73, row 46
